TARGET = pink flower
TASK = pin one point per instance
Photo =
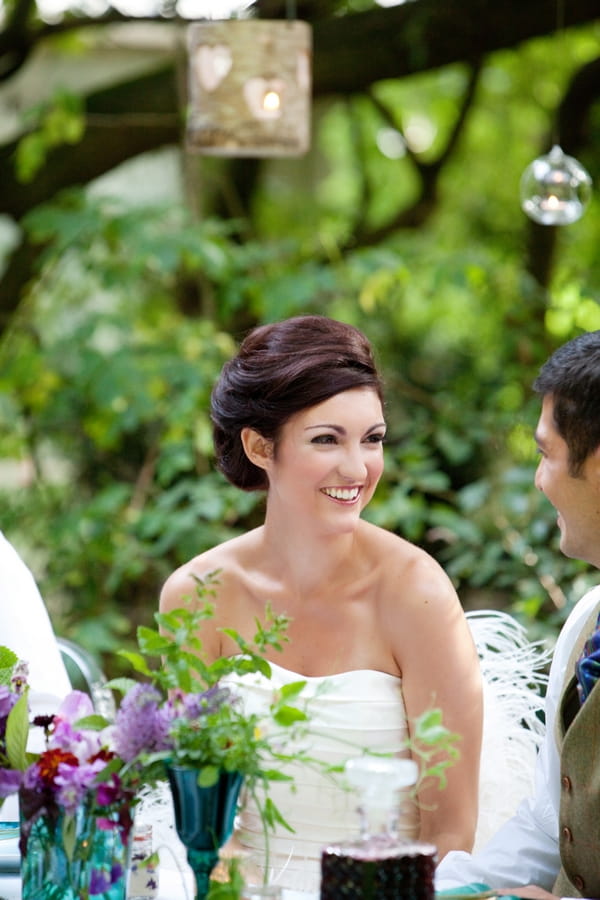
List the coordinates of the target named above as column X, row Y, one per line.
column 65, row 736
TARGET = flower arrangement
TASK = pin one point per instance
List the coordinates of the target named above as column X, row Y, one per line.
column 77, row 794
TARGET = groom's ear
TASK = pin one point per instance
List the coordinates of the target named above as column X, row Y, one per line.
column 257, row 448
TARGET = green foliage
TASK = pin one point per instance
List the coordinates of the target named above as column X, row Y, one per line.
column 106, row 385
column 434, row 747
column 106, row 372
column 224, row 737
column 60, row 120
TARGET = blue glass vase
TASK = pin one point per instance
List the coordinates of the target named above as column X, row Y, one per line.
column 83, row 857
column 203, row 818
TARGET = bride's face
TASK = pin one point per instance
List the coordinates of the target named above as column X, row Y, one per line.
column 329, row 458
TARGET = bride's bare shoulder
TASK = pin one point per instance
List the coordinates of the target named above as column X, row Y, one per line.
column 219, row 568
column 410, row 568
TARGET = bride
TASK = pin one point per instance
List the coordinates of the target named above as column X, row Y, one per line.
column 377, row 630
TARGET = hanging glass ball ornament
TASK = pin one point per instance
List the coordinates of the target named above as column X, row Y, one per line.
column 555, row 189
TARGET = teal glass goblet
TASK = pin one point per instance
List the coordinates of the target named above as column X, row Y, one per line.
column 204, row 818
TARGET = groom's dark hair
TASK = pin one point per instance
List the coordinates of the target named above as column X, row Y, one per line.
column 572, row 378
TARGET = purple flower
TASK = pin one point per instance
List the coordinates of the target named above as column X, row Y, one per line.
column 140, row 725
column 76, row 705
column 73, row 782
column 197, row 705
column 19, row 675
column 7, row 700
column 10, row 782
column 83, row 744
column 109, row 791
column 101, row 881
column 32, row 778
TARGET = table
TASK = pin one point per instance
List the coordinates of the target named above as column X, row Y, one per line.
column 172, row 886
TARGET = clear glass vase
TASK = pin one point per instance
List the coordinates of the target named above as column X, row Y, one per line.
column 79, row 857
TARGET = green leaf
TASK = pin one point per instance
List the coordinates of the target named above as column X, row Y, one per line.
column 69, row 835
column 8, row 659
column 287, row 715
column 272, row 816
column 17, row 731
column 122, row 685
column 208, row 776
column 276, row 775
column 151, row 642
column 137, row 661
column 288, row 691
column 93, row 722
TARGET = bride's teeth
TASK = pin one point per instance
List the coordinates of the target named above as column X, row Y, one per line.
column 343, row 493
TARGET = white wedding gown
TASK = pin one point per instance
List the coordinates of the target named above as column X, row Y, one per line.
column 349, row 713
column 358, row 710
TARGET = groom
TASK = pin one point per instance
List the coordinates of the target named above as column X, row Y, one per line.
column 553, row 840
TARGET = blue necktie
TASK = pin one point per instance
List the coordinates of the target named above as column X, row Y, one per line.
column 587, row 667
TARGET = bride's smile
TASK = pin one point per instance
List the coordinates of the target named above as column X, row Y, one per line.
column 347, row 495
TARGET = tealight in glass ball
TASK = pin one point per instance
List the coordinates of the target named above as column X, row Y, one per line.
column 555, row 189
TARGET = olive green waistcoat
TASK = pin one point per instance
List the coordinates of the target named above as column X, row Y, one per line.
column 578, row 737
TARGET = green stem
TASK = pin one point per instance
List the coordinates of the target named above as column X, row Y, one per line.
column 265, row 828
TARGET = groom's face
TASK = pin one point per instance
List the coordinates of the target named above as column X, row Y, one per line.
column 576, row 498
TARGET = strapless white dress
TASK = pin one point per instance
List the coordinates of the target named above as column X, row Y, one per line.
column 349, row 712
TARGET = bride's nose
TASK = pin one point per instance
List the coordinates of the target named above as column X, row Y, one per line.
column 353, row 466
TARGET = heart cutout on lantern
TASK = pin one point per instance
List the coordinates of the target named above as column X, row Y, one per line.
column 303, row 70
column 259, row 91
column 212, row 65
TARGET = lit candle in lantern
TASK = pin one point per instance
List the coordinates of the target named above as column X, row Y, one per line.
column 272, row 102
column 551, row 202
column 249, row 87
column 555, row 189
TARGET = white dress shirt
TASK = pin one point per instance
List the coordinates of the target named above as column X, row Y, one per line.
column 525, row 850
column 25, row 629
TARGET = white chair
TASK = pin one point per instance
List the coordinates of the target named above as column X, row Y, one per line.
column 86, row 675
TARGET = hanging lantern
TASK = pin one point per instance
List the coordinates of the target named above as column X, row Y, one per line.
column 249, row 87
column 555, row 189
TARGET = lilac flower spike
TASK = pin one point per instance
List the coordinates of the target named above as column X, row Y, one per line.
column 140, row 724
column 197, row 705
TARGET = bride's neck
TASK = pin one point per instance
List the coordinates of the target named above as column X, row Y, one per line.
column 309, row 558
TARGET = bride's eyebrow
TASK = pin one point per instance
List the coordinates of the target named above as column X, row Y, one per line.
column 339, row 430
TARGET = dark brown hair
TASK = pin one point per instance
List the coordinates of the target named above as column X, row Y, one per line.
column 572, row 377
column 281, row 369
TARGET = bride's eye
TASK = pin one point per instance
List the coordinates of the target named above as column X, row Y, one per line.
column 324, row 439
column 377, row 438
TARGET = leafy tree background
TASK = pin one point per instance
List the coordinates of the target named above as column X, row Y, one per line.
column 117, row 311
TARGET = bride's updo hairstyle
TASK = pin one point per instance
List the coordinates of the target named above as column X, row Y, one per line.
column 281, row 369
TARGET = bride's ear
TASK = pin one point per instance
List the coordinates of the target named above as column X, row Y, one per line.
column 257, row 448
